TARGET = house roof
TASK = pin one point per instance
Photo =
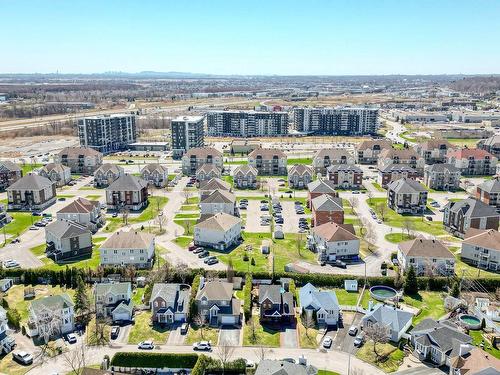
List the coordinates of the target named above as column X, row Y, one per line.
column 406, row 186
column 127, row 182
column 151, row 167
column 309, row 295
column 274, row 367
column 300, row 169
column 102, row 289
column 31, row 182
column 266, row 153
column 207, row 168
column 215, row 184
column 216, row 290
column 485, row 238
column 440, row 167
column 132, row 239
column 332, row 153
column 441, row 334
column 321, row 186
column 326, row 202
column 463, row 153
column 246, row 169
column 58, row 167
column 66, row 229
column 492, row 141
column 73, row 152
column 332, row 232
column 406, row 153
column 368, row 144
column 220, row 221
column 79, row 206
column 9, row 166
column 390, row 316
column 426, row 248
column 475, row 361
column 106, row 167
column 202, row 152
column 472, row 207
column 60, row 301
column 390, row 167
column 431, row 144
column 125, row 306
column 344, row 168
column 490, row 186
column 271, row 292
column 166, row 291
column 219, row 196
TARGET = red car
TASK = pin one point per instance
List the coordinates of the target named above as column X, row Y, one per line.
column 191, row 246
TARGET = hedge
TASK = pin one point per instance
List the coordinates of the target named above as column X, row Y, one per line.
column 247, row 297
column 208, row 366
column 154, row 360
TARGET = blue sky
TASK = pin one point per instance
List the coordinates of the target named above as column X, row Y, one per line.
column 251, row 37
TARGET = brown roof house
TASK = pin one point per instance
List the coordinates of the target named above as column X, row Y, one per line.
column 9, row 173
column 333, row 241
column 276, row 304
column 299, row 176
column 207, row 187
column 330, row 156
column 106, row 174
column 220, row 231
column 320, row 187
column 459, row 216
column 81, row 160
column 442, row 177
column 481, row 248
column 245, row 177
column 428, row 257
column 127, row 192
column 268, row 161
column 155, row 174
column 58, row 173
column 194, row 158
column 169, row 303
column 434, row 150
column 326, row 209
column 474, row 361
column 31, row 193
column 216, row 302
column 84, row 212
column 392, row 172
column 67, row 239
column 218, row 201
column 367, row 151
column 405, row 156
column 133, row 247
column 207, row 172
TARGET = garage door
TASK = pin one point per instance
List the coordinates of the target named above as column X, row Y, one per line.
column 228, row 320
column 120, row 316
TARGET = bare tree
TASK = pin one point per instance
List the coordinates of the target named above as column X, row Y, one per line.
column 353, row 202
column 261, row 352
column 187, row 194
column 224, row 352
column 369, row 194
column 300, row 238
column 371, row 235
column 161, row 220
column 200, row 320
column 308, row 323
column 187, row 224
column 76, row 358
column 408, row 226
column 182, row 271
column 379, row 334
column 381, row 210
column 125, row 212
column 253, row 330
column 230, row 270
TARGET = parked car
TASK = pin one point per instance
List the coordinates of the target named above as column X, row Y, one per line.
column 115, row 214
column 198, row 250
column 249, row 363
column 184, row 328
column 353, row 330
column 22, row 357
column 340, row 264
column 429, row 218
column 71, row 338
column 148, row 344
column 202, row 345
column 213, row 261
column 289, row 360
column 115, row 331
column 207, row 259
column 358, row 341
column 10, row 263
column 327, row 342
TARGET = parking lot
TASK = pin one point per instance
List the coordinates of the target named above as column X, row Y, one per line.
column 291, row 224
column 253, row 217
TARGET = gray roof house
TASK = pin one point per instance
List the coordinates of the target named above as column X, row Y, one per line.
column 58, row 173
column 207, row 187
column 324, row 303
column 9, row 173
column 114, row 300
column 129, row 192
column 155, row 174
column 51, row 316
column 438, row 341
column 406, row 196
column 274, row 367
column 169, row 303
column 397, row 321
column 459, row 216
column 207, row 172
column 106, row 174
column 216, row 302
column 276, row 304
column 67, row 239
column 31, row 193
column 7, row 342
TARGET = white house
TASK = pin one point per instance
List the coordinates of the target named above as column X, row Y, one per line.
column 333, row 241
column 324, row 303
column 114, row 300
column 51, row 317
column 133, row 248
column 84, row 212
column 220, row 231
column 7, row 342
column 397, row 321
column 57, row 173
column 218, row 201
column 481, row 248
column 155, row 174
column 426, row 256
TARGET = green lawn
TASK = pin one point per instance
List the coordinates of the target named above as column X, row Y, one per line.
column 346, row 298
column 472, row 142
column 392, row 356
column 187, row 224
column 143, row 330
column 21, row 221
column 431, row 305
column 39, row 250
column 263, row 335
column 326, row 372
column 206, row 334
column 65, row 196
column 293, row 161
column 396, row 220
column 377, row 186
column 186, row 216
column 92, row 262
column 183, row 241
column 91, row 337
column 397, row 237
column 307, row 338
column 477, row 339
column 189, row 207
column 27, row 168
column 94, row 197
column 137, row 296
column 192, row 200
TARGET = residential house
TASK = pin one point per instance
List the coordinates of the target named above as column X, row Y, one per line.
column 438, row 342
column 207, row 172
column 394, row 172
column 332, row 241
column 67, row 239
column 276, row 304
column 245, row 177
column 9, row 173
column 207, row 187
column 323, row 303
column 7, row 342
column 169, row 303
column 57, row 173
column 5, row 218
column 218, row 201
column 320, row 187
column 194, row 158
column 474, row 361
column 84, row 212
column 299, row 176
column 396, row 321
column 6, row 284
column 127, row 192
column 244, row 146
column 220, row 231
column 129, row 248
column 428, row 257
column 367, row 151
column 268, row 162
column 106, row 174
column 216, row 302
column 406, row 196
column 31, row 193
column 442, row 177
column 473, row 161
column 406, row 156
column 50, row 317
column 326, row 209
column 488, row 192
column 275, row 367
column 434, row 150
column 481, row 248
column 467, row 213
column 81, row 160
column 331, row 156
column 114, row 300
column 345, row 176
column 491, row 145
column 155, row 174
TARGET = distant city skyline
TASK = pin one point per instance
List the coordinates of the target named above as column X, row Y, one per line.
column 223, row 37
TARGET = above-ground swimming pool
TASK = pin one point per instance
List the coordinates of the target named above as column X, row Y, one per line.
column 382, row 293
column 470, row 321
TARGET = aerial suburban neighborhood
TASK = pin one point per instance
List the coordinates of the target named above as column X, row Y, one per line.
column 275, row 218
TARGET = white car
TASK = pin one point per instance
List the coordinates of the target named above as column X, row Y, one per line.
column 358, row 341
column 249, row 363
column 10, row 263
column 327, row 342
column 202, row 345
column 353, row 330
column 148, row 344
column 23, row 357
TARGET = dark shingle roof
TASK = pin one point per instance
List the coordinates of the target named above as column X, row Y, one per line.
column 66, row 229
column 127, row 182
column 31, row 182
column 472, row 207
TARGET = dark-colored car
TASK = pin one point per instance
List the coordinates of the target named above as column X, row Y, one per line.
column 115, row 331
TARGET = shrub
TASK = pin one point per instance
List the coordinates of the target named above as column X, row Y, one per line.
column 247, row 296
column 14, row 318
column 154, row 360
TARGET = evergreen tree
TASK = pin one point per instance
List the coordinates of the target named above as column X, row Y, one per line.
column 455, row 290
column 82, row 302
column 411, row 283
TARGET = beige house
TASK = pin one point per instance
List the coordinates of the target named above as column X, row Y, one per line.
column 194, row 158
column 106, row 174
column 330, row 156
column 367, row 151
column 218, row 201
column 114, row 300
column 57, row 173
column 215, row 300
column 268, row 161
column 134, row 248
column 481, row 248
column 81, row 160
column 84, row 212
column 245, row 177
column 220, row 231
column 169, row 303
column 127, row 192
column 31, row 193
column 207, row 172
column 300, row 176
column 428, row 257
column 155, row 174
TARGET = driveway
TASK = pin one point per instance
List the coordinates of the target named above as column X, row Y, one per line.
column 341, row 338
column 122, row 335
column 175, row 337
column 288, row 337
column 229, row 336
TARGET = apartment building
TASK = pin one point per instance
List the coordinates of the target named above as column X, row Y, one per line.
column 194, row 158
column 428, row 257
column 459, row 216
column 489, row 192
column 127, row 192
column 268, row 161
column 326, row 157
column 491, row 145
column 346, row 176
column 367, row 151
column 336, row 121
column 473, row 161
column 434, row 150
column 481, row 248
column 187, row 133
column 107, row 133
column 442, row 177
column 246, row 124
column 57, row 173
column 81, row 160
column 394, row 172
column 300, row 176
column 405, row 156
column 133, row 248
column 406, row 196
column 9, row 173
column 31, row 193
